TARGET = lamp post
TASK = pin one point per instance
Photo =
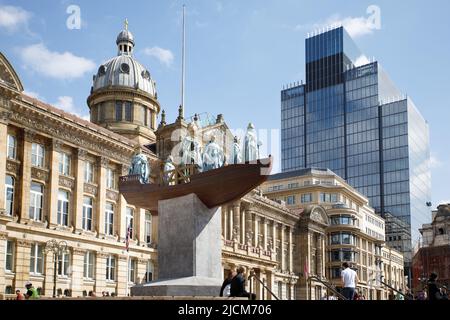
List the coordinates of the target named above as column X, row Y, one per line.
column 57, row 248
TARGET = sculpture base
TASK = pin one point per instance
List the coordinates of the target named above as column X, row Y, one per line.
column 189, row 286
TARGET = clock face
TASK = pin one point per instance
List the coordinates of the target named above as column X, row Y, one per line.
column 125, row 68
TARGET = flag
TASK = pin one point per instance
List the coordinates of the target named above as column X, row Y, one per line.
column 127, row 239
column 305, row 269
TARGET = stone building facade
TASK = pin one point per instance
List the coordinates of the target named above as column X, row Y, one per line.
column 336, row 224
column 61, row 174
column 433, row 252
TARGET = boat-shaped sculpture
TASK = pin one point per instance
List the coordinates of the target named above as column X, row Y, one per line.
column 214, row 188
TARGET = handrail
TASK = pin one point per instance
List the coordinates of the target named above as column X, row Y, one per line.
column 393, row 289
column 328, row 285
column 252, row 275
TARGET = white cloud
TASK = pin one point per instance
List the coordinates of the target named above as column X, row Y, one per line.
column 54, row 64
column 12, row 18
column 66, row 104
column 163, row 55
column 443, row 202
column 361, row 60
column 355, row 26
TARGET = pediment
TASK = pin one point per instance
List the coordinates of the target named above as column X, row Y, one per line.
column 8, row 75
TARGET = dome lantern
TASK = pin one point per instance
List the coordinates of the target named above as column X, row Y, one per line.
column 125, row 41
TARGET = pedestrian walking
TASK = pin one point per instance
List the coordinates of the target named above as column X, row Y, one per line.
column 349, row 280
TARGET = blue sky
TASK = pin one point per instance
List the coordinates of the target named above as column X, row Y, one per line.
column 239, row 54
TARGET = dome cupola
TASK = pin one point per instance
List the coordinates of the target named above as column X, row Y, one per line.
column 123, row 95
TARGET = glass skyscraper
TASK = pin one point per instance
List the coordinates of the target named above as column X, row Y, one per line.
column 349, row 117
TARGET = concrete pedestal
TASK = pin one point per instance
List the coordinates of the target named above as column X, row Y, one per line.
column 189, row 250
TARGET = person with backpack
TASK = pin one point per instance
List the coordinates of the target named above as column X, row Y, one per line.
column 31, row 293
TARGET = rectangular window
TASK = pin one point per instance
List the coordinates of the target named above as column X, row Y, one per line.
column 290, row 200
column 63, row 208
column 89, row 263
column 87, row 213
column 9, row 266
column 118, row 110
column 9, row 194
column 129, row 220
column 37, row 259
column 110, row 268
column 63, row 264
column 132, row 270
column 128, row 111
column 37, row 155
column 306, row 198
column 12, row 147
column 36, row 201
column 109, row 219
column 64, row 163
column 149, row 271
column 148, row 228
column 88, row 172
column 110, row 179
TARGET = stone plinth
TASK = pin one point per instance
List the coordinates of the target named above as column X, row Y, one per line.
column 189, row 250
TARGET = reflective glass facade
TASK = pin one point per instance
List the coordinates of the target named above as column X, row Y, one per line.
column 353, row 120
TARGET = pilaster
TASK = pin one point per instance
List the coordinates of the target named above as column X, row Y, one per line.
column 3, row 152
column 79, row 190
column 26, row 175
column 102, row 165
column 55, row 148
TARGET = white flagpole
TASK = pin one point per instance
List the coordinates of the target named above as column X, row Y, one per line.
column 183, row 65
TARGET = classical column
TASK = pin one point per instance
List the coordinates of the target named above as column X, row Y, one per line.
column 120, row 220
column 26, row 175
column 55, row 148
column 256, row 230
column 141, row 270
column 122, row 275
column 265, row 222
column 274, row 237
column 79, row 190
column 224, row 223
column 100, row 272
column 243, row 212
column 22, row 263
column 237, row 221
column 3, row 244
column 49, row 268
column 77, row 271
column 283, row 262
column 102, row 165
column 140, row 226
column 4, row 116
column 248, row 227
column 290, row 248
column 230, row 223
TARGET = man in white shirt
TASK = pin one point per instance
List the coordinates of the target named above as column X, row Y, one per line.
column 349, row 280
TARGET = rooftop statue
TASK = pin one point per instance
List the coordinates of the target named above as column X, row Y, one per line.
column 213, row 157
column 236, row 152
column 139, row 166
column 190, row 152
column 168, row 167
column 251, row 146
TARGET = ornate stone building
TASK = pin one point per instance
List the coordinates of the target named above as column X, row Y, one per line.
column 433, row 252
column 61, row 175
column 336, row 224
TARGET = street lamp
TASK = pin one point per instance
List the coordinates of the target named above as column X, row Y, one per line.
column 57, row 248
